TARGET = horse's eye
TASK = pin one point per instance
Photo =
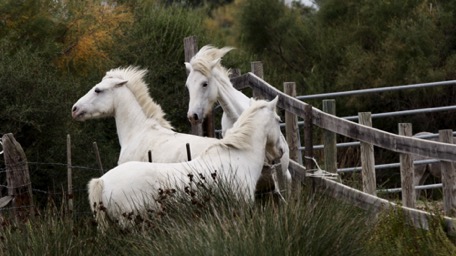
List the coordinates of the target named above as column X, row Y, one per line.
column 97, row 90
column 204, row 84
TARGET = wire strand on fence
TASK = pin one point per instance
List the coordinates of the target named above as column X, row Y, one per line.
column 66, row 165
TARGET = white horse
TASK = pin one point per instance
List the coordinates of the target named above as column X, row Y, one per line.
column 140, row 121
column 237, row 159
column 207, row 82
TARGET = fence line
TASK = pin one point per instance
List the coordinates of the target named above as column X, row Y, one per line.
column 19, row 201
column 375, row 90
column 401, row 144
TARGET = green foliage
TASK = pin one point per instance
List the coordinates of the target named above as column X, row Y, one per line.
column 393, row 235
column 31, row 23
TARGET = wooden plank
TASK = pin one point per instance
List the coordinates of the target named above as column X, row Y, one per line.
column 330, row 149
column 257, row 68
column 366, row 201
column 241, row 82
column 190, row 47
column 17, row 177
column 291, row 126
column 369, row 202
column 407, row 171
column 308, row 137
column 448, row 178
column 367, row 158
column 386, row 140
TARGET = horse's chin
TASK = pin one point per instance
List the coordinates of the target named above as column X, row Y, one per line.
column 84, row 117
column 193, row 122
column 80, row 118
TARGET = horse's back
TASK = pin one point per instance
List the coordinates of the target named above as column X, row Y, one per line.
column 174, row 150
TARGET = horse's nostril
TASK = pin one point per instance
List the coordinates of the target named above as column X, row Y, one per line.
column 75, row 108
column 195, row 117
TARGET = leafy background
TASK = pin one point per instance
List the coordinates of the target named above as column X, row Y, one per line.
column 52, row 52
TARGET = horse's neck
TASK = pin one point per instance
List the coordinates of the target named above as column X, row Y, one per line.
column 130, row 118
column 232, row 101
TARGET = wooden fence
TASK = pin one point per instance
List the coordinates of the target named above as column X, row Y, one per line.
column 401, row 143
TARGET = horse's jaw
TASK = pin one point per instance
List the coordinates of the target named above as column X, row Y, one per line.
column 84, row 116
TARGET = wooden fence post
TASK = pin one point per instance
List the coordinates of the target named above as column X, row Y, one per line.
column 308, row 143
column 97, row 155
column 257, row 68
column 291, row 126
column 190, row 49
column 330, row 149
column 448, row 178
column 235, row 72
column 407, row 171
column 367, row 158
column 17, row 177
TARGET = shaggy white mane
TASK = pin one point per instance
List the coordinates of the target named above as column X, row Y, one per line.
column 240, row 135
column 136, row 84
column 202, row 60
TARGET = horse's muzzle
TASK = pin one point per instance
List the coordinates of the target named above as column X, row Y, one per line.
column 76, row 113
column 194, row 118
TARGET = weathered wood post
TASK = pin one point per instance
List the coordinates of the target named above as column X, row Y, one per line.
column 448, row 178
column 308, row 140
column 97, row 155
column 17, row 177
column 235, row 72
column 407, row 171
column 256, row 67
column 367, row 158
column 291, row 126
column 330, row 150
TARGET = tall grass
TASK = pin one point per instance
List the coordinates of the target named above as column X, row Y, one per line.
column 214, row 222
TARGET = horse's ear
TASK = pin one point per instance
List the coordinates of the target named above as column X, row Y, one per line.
column 122, row 82
column 273, row 103
column 215, row 62
column 188, row 66
column 252, row 100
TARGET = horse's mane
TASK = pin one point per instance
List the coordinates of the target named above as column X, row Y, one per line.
column 202, row 60
column 138, row 87
column 240, row 134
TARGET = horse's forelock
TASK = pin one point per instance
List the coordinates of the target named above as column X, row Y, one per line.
column 202, row 60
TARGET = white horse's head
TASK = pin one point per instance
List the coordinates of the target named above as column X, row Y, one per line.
column 274, row 143
column 200, row 83
column 99, row 101
column 260, row 116
column 103, row 100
